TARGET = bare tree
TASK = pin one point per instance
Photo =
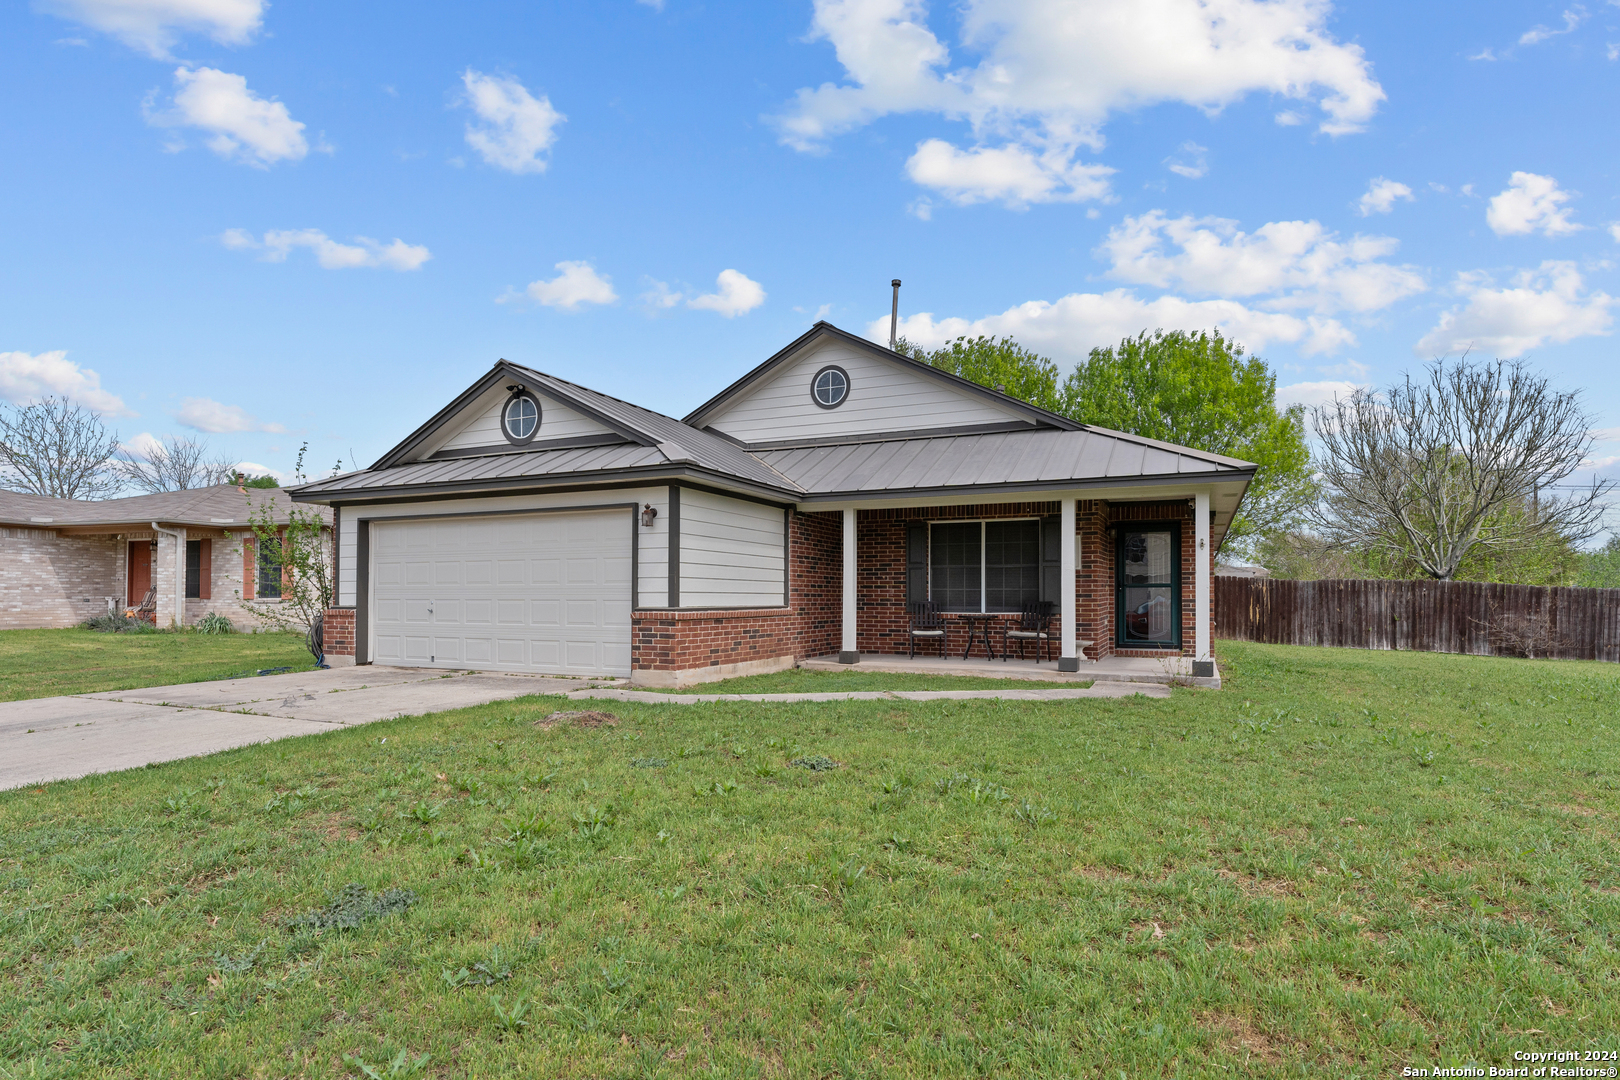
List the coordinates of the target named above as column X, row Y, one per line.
column 56, row 448
column 1474, row 455
column 179, row 464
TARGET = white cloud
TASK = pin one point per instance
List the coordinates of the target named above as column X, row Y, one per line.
column 142, row 446
column 1198, row 166
column 242, row 126
column 1573, row 17
column 1541, row 305
column 253, row 468
column 1068, row 328
column 735, row 294
column 660, row 296
column 1293, row 264
column 514, row 128
column 153, row 26
column 331, row 255
column 1530, row 203
column 1024, row 99
column 1614, row 231
column 25, row 378
column 579, row 283
column 1381, row 196
column 1611, row 434
column 204, row 414
column 1613, row 52
column 1484, row 54
column 1015, row 175
column 656, row 5
column 1312, row 394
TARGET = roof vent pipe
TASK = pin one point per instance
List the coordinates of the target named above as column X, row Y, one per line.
column 894, row 318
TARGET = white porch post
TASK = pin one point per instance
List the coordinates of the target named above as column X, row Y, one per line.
column 1201, row 591
column 1069, row 656
column 847, row 651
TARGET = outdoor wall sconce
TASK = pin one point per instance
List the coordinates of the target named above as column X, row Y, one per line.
column 649, row 514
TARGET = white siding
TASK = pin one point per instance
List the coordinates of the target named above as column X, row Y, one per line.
column 731, row 552
column 653, row 543
column 480, row 424
column 348, row 545
column 883, row 397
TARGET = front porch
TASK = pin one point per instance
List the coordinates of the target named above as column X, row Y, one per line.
column 1174, row 670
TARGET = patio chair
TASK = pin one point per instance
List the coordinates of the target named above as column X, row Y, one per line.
column 1034, row 626
column 924, row 623
column 148, row 607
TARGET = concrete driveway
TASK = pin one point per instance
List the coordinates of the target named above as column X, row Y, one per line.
column 59, row 738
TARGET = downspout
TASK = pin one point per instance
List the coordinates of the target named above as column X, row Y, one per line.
column 179, row 535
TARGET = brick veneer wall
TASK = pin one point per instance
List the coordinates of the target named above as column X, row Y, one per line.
column 337, row 632
column 809, row 626
column 50, row 581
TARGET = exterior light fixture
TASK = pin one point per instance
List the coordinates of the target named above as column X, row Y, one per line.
column 649, row 513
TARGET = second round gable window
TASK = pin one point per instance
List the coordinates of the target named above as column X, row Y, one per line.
column 830, row 387
column 521, row 417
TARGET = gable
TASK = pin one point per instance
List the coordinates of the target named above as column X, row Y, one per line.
column 477, row 426
column 885, row 396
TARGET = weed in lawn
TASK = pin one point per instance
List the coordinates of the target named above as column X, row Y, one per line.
column 401, row 1064
column 241, row 963
column 352, row 907
column 487, row 972
column 426, row 814
column 764, row 770
column 510, row 1018
column 815, row 763
column 594, row 822
column 649, row 763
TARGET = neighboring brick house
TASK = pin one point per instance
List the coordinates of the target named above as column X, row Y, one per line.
column 535, row 525
column 63, row 561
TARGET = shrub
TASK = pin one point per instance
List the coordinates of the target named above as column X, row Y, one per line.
column 116, row 622
column 214, row 623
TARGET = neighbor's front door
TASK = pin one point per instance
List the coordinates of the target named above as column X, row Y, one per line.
column 140, row 571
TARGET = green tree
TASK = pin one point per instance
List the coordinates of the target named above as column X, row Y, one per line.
column 1003, row 364
column 1600, row 569
column 1201, row 390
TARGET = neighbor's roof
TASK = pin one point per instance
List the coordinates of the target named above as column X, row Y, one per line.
column 221, row 506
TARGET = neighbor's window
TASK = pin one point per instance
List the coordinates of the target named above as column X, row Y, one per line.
column 193, row 569
column 268, row 586
column 984, row 565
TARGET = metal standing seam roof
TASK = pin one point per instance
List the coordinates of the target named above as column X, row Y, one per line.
column 511, row 466
column 1011, row 457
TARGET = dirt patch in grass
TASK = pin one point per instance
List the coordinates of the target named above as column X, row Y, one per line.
column 586, row 719
column 1252, row 886
column 1238, row 1035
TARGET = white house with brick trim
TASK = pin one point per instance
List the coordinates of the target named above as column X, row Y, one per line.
column 63, row 561
column 806, row 510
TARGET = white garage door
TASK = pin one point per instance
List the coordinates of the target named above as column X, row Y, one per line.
column 546, row 592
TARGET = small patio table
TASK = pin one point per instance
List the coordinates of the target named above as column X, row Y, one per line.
column 979, row 625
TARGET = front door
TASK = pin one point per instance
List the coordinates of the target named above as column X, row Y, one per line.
column 140, row 571
column 1148, row 592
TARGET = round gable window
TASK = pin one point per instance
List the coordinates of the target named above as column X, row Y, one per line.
column 830, row 387
column 520, row 419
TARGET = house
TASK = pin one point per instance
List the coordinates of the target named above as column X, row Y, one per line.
column 63, row 561
column 536, row 525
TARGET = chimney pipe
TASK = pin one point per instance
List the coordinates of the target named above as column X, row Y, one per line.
column 894, row 317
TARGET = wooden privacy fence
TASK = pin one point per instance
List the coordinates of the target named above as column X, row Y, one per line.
column 1425, row 616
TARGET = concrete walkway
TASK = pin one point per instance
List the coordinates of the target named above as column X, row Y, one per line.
column 58, row 738
column 1096, row 690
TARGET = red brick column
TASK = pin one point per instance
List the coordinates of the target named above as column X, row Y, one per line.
column 337, row 632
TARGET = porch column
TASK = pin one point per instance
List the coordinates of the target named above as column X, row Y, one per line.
column 1203, row 661
column 1069, row 656
column 847, row 651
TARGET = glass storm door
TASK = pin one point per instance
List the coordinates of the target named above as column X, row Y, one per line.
column 1149, row 599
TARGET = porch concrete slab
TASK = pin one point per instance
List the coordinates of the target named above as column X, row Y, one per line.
column 1097, row 690
column 60, row 738
column 1173, row 670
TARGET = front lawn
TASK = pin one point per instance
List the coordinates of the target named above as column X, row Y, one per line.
column 1343, row 864
column 44, row 663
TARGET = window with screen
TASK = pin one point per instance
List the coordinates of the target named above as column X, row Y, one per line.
column 268, row 587
column 986, row 566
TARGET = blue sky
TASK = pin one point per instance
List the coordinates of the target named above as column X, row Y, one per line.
column 262, row 224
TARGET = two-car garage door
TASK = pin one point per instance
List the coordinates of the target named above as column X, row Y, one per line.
column 543, row 592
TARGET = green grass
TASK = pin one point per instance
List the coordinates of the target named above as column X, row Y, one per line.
column 802, row 681
column 1344, row 863
column 43, row 663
